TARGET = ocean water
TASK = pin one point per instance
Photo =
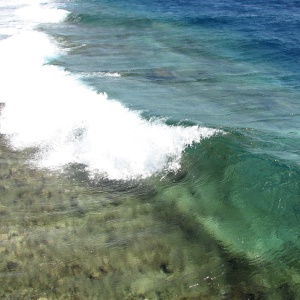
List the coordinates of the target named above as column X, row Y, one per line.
column 149, row 149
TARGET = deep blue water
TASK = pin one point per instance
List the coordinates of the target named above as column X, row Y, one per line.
column 179, row 67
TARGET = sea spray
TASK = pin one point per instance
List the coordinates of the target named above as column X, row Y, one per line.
column 219, row 220
column 71, row 123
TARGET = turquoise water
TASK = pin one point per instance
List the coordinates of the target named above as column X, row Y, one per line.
column 162, row 138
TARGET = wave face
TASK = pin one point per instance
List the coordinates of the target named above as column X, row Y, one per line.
column 48, row 108
column 152, row 144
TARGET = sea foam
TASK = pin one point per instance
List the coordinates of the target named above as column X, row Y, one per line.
column 48, row 108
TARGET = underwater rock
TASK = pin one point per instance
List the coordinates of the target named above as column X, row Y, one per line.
column 12, row 265
column 166, row 268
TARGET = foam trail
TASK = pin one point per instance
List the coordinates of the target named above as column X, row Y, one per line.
column 48, row 108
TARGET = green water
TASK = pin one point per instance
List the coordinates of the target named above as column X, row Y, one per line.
column 64, row 236
column 225, row 226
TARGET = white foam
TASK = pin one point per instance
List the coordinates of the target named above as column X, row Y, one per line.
column 48, row 108
column 99, row 74
column 19, row 15
column 35, row 14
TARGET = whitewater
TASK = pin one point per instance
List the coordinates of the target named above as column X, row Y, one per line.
column 47, row 107
column 149, row 150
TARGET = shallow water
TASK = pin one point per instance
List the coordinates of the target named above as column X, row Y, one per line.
column 67, row 237
column 83, row 240
column 149, row 150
